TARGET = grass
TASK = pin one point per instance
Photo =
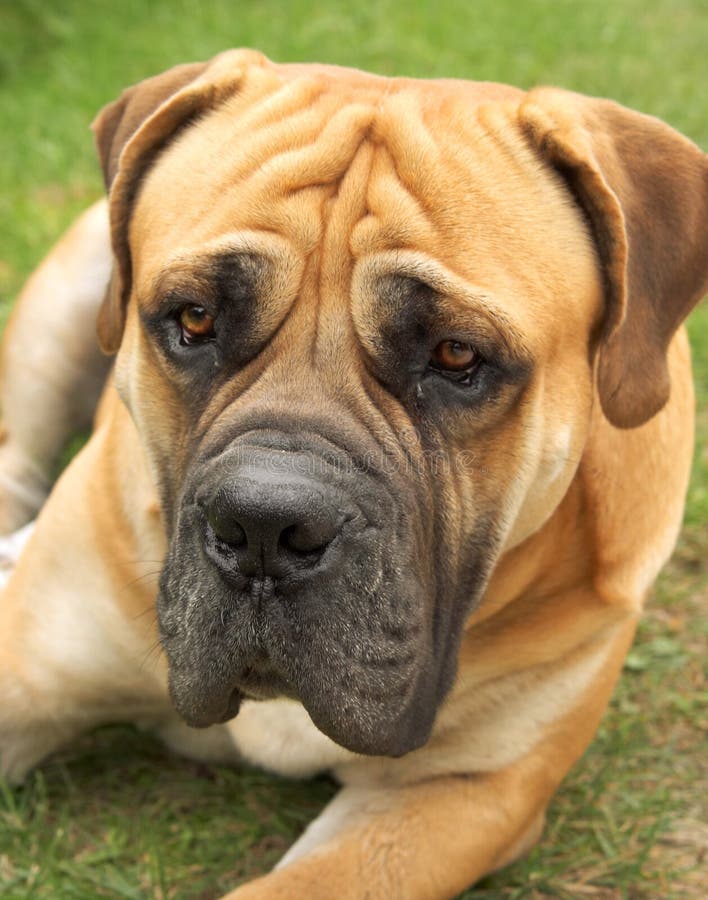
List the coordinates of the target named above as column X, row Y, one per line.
column 115, row 815
column 118, row 816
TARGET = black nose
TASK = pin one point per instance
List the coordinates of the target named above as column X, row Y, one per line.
column 265, row 523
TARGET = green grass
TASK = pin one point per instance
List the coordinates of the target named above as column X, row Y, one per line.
column 115, row 815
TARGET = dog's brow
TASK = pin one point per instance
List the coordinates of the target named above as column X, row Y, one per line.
column 224, row 274
column 234, row 270
column 400, row 294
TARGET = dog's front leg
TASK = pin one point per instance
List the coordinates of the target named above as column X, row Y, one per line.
column 51, row 368
column 425, row 842
column 431, row 840
column 77, row 619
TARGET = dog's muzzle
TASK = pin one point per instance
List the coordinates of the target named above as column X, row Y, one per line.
column 293, row 572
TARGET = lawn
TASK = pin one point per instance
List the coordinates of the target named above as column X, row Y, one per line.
column 115, row 815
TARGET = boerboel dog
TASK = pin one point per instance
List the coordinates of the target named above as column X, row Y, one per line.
column 402, row 403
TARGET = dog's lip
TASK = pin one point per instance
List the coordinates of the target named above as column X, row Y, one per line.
column 261, row 682
column 255, row 680
column 233, row 705
column 201, row 716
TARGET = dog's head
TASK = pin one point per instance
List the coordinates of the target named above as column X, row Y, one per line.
column 361, row 326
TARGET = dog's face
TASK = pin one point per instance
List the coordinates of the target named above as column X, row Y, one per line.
column 359, row 352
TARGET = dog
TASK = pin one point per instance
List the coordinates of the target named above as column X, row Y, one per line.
column 401, row 401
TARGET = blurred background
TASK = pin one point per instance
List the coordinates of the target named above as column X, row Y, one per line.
column 116, row 816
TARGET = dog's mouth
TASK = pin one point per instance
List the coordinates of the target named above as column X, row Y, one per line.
column 290, row 577
column 361, row 679
column 256, row 681
column 260, row 681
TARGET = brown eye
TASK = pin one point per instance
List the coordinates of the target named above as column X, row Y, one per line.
column 453, row 356
column 197, row 324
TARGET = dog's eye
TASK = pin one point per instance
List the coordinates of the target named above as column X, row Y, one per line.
column 454, row 358
column 197, row 325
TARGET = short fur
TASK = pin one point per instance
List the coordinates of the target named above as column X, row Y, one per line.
column 449, row 655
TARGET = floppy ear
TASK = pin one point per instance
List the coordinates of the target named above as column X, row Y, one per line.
column 129, row 134
column 117, row 122
column 644, row 190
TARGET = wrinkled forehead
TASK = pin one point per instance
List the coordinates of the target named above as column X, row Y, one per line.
column 318, row 159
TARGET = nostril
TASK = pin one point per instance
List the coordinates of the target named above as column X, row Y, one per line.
column 306, row 538
column 263, row 525
column 227, row 528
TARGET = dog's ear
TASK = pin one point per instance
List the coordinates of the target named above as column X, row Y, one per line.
column 129, row 134
column 117, row 122
column 644, row 190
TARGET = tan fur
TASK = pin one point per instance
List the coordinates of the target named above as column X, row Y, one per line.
column 47, row 342
column 340, row 178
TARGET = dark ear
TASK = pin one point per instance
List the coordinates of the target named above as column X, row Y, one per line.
column 644, row 190
column 130, row 133
column 117, row 123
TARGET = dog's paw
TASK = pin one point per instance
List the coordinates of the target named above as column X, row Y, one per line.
column 21, row 750
column 15, row 762
column 29, row 727
column 25, row 744
column 23, row 488
column 11, row 545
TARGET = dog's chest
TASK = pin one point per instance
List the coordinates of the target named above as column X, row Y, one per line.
column 279, row 735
